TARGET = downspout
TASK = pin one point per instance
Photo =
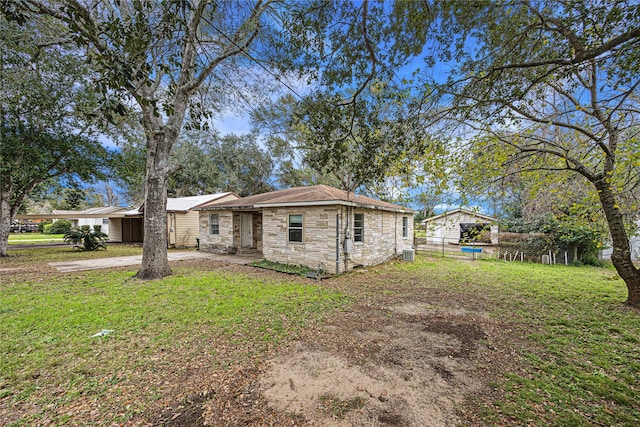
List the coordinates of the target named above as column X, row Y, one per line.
column 395, row 234
column 338, row 243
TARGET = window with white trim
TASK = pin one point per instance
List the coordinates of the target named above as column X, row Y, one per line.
column 358, row 227
column 295, row 228
column 214, row 224
column 405, row 226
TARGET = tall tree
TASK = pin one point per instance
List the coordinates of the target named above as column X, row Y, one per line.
column 158, row 54
column 357, row 143
column 554, row 85
column 358, row 124
column 45, row 101
column 203, row 162
column 128, row 166
column 206, row 162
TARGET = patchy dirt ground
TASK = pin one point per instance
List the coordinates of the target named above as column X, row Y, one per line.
column 416, row 373
column 405, row 354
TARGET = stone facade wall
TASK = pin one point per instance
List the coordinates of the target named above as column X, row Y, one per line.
column 382, row 236
column 228, row 241
column 318, row 242
column 218, row 243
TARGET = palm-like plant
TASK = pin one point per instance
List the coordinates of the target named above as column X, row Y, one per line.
column 91, row 240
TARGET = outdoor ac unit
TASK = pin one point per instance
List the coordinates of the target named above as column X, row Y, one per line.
column 408, row 255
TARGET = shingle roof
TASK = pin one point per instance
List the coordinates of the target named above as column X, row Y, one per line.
column 301, row 196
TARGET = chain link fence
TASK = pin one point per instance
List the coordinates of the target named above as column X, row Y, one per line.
column 452, row 248
column 512, row 251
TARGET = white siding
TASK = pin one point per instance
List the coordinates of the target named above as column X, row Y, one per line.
column 115, row 230
column 94, row 221
column 447, row 227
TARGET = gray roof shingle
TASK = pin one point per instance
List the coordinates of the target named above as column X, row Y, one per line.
column 301, row 196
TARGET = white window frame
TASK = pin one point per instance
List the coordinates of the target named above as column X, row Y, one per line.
column 361, row 228
column 290, row 228
column 215, row 222
column 405, row 226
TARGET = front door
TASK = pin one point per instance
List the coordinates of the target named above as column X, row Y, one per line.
column 246, row 230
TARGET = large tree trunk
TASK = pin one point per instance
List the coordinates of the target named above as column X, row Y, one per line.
column 155, row 264
column 621, row 256
column 5, row 222
column 160, row 140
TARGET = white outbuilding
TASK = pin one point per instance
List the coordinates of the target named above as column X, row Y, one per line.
column 461, row 226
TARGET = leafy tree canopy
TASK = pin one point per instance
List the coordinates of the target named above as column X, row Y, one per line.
column 45, row 129
column 549, row 86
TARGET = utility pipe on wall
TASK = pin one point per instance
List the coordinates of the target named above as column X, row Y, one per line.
column 337, row 244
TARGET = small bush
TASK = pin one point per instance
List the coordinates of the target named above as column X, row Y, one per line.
column 41, row 226
column 97, row 228
column 46, row 228
column 91, row 240
column 284, row 268
column 61, row 226
column 85, row 228
column 592, row 260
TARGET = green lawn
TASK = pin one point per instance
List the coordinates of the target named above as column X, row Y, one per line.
column 419, row 233
column 48, row 357
column 580, row 348
column 34, row 257
column 34, row 238
column 583, row 354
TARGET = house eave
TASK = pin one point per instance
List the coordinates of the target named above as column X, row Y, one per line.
column 305, row 204
column 314, row 203
column 68, row 216
column 455, row 211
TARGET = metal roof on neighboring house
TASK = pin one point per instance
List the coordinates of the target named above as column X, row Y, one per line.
column 178, row 204
column 184, row 204
column 100, row 212
column 459, row 210
column 305, row 196
column 103, row 210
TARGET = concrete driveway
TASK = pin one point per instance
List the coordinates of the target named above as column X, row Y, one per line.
column 124, row 261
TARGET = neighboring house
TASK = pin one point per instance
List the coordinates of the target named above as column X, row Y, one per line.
column 91, row 217
column 309, row 226
column 123, row 225
column 182, row 220
column 461, row 226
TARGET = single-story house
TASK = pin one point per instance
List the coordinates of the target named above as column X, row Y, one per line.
column 461, row 226
column 124, row 225
column 316, row 226
column 91, row 217
column 182, row 220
